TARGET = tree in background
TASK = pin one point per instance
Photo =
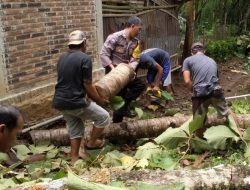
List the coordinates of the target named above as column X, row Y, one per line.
column 189, row 30
column 208, row 20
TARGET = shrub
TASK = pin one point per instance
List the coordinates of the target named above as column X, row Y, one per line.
column 243, row 42
column 221, row 50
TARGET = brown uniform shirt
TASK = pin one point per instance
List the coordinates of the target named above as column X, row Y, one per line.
column 117, row 49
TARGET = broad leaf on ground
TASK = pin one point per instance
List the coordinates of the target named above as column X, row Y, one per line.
column 143, row 163
column 162, row 160
column 39, row 149
column 147, row 186
column 246, row 137
column 113, row 159
column 76, row 183
column 32, row 167
column 139, row 112
column 147, row 150
column 22, row 178
column 200, row 145
column 7, row 183
column 233, row 125
column 3, row 157
column 117, row 184
column 218, row 135
column 22, row 151
column 52, row 153
column 196, row 123
column 173, row 137
column 127, row 161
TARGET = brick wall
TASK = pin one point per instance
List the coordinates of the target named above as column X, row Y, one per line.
column 34, row 34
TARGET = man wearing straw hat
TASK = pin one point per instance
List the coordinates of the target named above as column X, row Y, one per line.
column 74, row 81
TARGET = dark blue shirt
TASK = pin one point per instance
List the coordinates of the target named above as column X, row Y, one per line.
column 150, row 57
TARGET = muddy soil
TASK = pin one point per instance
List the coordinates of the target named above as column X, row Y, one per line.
column 234, row 83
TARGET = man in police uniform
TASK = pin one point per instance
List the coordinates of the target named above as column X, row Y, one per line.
column 118, row 48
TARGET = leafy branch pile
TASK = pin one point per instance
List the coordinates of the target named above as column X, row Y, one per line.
column 35, row 164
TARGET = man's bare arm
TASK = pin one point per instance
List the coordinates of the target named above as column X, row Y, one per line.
column 93, row 94
column 187, row 80
column 158, row 76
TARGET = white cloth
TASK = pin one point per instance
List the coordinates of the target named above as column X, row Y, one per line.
column 168, row 80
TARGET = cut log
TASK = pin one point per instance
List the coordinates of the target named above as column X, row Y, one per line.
column 115, row 80
column 131, row 130
column 203, row 179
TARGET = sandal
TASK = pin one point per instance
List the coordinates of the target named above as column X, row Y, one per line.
column 95, row 147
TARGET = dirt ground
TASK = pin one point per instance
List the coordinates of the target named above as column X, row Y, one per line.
column 234, row 83
column 233, row 78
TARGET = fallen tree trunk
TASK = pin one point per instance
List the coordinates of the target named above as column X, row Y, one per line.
column 203, row 179
column 130, row 130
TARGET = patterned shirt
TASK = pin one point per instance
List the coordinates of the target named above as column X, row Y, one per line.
column 117, row 49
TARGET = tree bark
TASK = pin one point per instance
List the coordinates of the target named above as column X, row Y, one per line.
column 130, row 130
column 203, row 179
column 189, row 31
column 114, row 81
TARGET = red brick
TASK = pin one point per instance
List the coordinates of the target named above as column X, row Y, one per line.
column 36, row 34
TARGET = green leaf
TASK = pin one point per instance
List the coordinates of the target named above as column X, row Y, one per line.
column 172, row 137
column 143, row 163
column 76, row 183
column 7, row 183
column 3, row 157
column 246, row 135
column 80, row 164
column 247, row 150
column 117, row 184
column 22, row 151
column 147, row 150
column 200, row 145
column 40, row 149
column 128, row 161
column 39, row 173
column 139, row 112
column 233, row 125
column 52, row 153
column 196, row 123
column 170, row 112
column 40, row 164
column 113, row 158
column 162, row 160
column 218, row 135
column 59, row 174
column 116, row 102
column 166, row 96
column 22, row 178
column 147, row 186
column 147, row 115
